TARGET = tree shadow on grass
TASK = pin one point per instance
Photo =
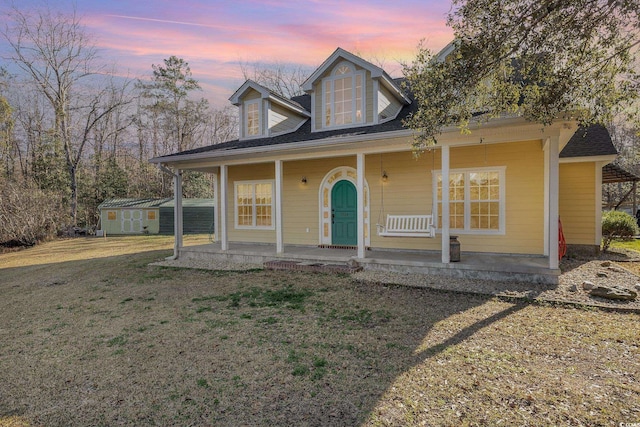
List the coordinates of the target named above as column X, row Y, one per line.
column 115, row 341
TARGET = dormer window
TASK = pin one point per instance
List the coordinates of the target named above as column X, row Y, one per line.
column 252, row 118
column 343, row 96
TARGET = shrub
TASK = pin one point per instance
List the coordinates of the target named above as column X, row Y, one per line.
column 617, row 225
column 28, row 214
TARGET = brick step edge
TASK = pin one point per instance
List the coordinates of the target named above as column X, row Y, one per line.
column 315, row 267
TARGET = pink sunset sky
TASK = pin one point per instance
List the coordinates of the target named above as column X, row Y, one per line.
column 215, row 37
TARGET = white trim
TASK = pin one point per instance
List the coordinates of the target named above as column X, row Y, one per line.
column 360, row 204
column 278, row 208
column 248, row 84
column 554, row 178
column 331, row 79
column 546, row 197
column 604, row 158
column 376, row 113
column 598, row 203
column 224, row 178
column 289, row 106
column 216, row 204
column 313, row 111
column 503, row 130
column 445, row 159
column 177, row 211
column 467, row 200
column 324, row 209
column 264, row 116
column 375, row 71
column 235, row 205
column 245, row 118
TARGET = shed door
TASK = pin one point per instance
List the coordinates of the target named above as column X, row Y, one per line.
column 344, row 223
column 131, row 221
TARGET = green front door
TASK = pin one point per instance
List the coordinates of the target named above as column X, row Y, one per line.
column 344, row 220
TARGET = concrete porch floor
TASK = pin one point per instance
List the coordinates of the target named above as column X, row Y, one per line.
column 533, row 269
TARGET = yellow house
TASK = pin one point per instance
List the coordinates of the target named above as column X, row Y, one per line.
column 330, row 176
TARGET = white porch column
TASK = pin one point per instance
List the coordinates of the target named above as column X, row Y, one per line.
column 546, row 197
column 444, row 227
column 224, row 242
column 360, row 203
column 552, row 153
column 177, row 211
column 216, row 203
column 598, row 207
column 278, row 200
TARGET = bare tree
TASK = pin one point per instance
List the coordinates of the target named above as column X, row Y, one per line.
column 284, row 79
column 58, row 56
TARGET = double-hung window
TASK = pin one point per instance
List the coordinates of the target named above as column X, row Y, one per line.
column 476, row 200
column 254, row 204
column 252, row 118
column 343, row 96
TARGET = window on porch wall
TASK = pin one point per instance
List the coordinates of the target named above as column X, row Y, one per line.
column 254, row 205
column 475, row 200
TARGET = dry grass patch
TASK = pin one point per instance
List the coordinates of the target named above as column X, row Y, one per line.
column 112, row 341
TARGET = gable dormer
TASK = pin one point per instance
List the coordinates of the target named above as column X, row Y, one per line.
column 264, row 113
column 347, row 91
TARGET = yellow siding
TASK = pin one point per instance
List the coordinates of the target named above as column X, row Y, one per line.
column 577, row 202
column 282, row 119
column 524, row 193
column 247, row 173
column 300, row 201
column 408, row 190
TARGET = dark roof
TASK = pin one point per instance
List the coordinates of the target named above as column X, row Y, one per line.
column 593, row 140
column 132, row 203
column 304, row 132
column 614, row 173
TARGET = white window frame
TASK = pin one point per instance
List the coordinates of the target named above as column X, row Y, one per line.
column 273, row 205
column 467, row 200
column 331, row 80
column 257, row 102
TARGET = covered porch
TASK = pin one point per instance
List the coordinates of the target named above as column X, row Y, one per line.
column 522, row 247
column 473, row 265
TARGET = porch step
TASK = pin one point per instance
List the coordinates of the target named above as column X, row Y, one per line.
column 311, row 266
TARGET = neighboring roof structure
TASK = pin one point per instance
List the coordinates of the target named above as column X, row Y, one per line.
column 587, row 142
column 190, row 203
column 132, row 203
column 614, row 173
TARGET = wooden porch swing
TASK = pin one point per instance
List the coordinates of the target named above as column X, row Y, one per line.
column 403, row 225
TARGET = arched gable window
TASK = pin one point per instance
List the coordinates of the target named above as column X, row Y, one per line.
column 343, row 96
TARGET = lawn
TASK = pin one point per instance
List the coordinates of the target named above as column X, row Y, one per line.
column 90, row 334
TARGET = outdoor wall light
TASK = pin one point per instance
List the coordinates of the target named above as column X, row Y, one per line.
column 385, row 177
column 304, row 180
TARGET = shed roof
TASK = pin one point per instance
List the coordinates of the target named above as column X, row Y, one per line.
column 132, row 203
column 190, row 203
column 614, row 173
